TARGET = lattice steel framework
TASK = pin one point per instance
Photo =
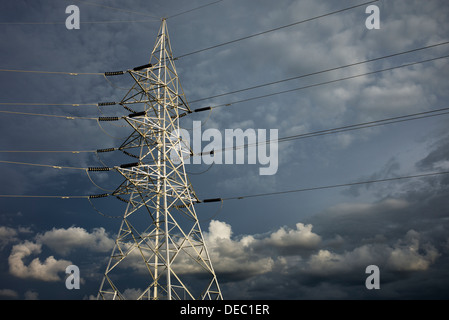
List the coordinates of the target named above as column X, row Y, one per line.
column 160, row 249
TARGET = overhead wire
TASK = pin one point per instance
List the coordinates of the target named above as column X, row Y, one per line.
column 48, row 115
column 86, row 170
column 52, row 72
column 42, row 165
column 274, row 29
column 194, row 9
column 95, row 184
column 101, row 213
column 231, row 92
column 118, row 9
column 107, row 133
column 154, row 18
column 327, row 82
column 306, row 135
column 83, row 22
column 320, row 72
column 266, row 194
column 147, row 14
column 358, row 126
column 44, row 197
column 282, row 139
column 48, row 151
column 257, row 97
column 235, row 91
column 47, row 104
column 336, row 186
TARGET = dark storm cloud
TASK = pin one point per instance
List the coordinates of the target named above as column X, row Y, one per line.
column 304, row 246
column 438, row 157
column 405, row 234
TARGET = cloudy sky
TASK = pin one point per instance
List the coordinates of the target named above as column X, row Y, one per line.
column 304, row 245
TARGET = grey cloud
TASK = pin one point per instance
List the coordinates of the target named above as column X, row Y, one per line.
column 438, row 157
column 8, row 293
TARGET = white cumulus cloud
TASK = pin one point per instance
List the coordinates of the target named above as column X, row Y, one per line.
column 63, row 240
column 46, row 271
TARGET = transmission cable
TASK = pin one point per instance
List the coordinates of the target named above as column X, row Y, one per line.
column 42, row 165
column 320, row 72
column 222, row 94
column 52, row 72
column 86, row 170
column 147, row 14
column 118, row 9
column 358, row 126
column 44, row 197
column 274, row 29
column 194, row 9
column 48, row 151
column 48, row 115
column 154, row 18
column 227, row 93
column 27, row 104
column 242, row 100
column 335, row 186
column 79, row 73
column 327, row 82
column 430, row 174
column 82, row 22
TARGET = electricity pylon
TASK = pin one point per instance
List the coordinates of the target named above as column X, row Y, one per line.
column 160, row 250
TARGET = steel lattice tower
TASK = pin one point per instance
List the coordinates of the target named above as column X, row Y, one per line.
column 160, row 238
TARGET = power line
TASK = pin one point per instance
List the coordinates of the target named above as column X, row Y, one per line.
column 147, row 14
column 88, row 169
column 416, row 116
column 336, row 186
column 410, row 117
column 83, row 22
column 48, row 151
column 111, row 21
column 274, row 29
column 242, row 100
column 320, row 72
column 222, row 94
column 47, row 104
column 358, row 126
column 327, row 82
column 119, row 9
column 260, row 194
column 43, row 165
column 194, row 9
column 43, row 197
column 52, row 72
column 47, row 115
column 104, row 74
